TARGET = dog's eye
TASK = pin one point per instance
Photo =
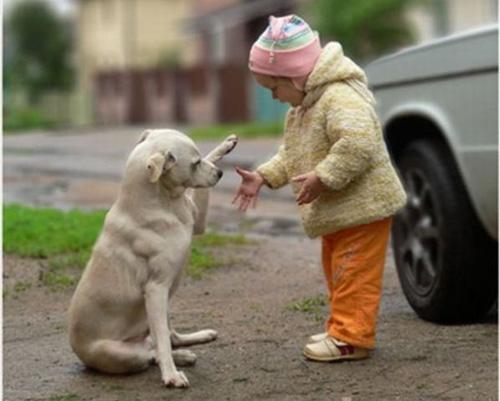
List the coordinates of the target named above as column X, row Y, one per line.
column 196, row 163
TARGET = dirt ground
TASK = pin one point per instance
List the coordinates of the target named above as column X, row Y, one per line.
column 258, row 353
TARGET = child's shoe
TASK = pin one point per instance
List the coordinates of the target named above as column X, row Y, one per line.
column 317, row 337
column 331, row 349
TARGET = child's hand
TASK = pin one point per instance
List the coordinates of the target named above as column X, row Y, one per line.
column 311, row 188
column 249, row 188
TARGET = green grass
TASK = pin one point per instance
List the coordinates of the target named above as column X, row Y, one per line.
column 26, row 119
column 65, row 241
column 202, row 259
column 313, row 306
column 65, row 397
column 22, row 286
column 243, row 130
column 46, row 232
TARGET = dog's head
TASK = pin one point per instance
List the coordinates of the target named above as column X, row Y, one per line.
column 172, row 159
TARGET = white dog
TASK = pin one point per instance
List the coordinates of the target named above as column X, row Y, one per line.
column 118, row 317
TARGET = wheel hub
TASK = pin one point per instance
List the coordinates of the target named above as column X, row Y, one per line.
column 419, row 243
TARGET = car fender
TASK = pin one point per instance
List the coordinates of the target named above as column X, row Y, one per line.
column 447, row 133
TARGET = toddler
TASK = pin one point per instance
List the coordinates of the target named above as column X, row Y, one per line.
column 333, row 154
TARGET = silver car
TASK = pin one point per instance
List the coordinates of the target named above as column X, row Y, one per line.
column 438, row 104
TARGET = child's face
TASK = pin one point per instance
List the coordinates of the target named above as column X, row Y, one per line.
column 282, row 89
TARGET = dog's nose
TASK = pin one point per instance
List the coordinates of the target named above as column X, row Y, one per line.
column 219, row 173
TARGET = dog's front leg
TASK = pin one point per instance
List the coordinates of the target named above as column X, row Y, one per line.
column 201, row 195
column 157, row 309
column 226, row 146
column 201, row 198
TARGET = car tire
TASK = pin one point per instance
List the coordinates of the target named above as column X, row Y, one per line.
column 446, row 263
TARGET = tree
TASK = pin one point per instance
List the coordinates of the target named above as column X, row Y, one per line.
column 38, row 49
column 365, row 28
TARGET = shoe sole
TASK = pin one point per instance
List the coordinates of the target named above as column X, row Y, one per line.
column 336, row 358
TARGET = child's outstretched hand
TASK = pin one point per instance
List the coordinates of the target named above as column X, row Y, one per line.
column 311, row 187
column 248, row 191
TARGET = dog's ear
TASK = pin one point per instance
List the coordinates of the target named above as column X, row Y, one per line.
column 158, row 163
column 143, row 136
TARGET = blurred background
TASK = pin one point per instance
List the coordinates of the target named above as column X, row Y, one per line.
column 74, row 63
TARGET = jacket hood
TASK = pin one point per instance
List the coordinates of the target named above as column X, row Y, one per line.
column 332, row 66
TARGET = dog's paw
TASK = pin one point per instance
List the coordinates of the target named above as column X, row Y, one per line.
column 184, row 357
column 177, row 379
column 229, row 144
column 210, row 334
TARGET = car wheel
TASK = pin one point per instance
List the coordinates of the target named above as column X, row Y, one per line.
column 446, row 263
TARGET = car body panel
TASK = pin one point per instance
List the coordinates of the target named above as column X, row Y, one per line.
column 452, row 83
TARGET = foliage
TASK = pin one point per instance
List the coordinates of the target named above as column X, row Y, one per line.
column 365, row 28
column 243, row 130
column 38, row 49
column 16, row 119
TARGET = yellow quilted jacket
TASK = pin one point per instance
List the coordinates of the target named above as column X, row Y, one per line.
column 336, row 133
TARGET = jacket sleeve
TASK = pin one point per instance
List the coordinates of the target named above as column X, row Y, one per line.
column 352, row 131
column 274, row 171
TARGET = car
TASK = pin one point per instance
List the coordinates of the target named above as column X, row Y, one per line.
column 438, row 106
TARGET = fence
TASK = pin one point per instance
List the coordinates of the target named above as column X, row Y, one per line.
column 190, row 95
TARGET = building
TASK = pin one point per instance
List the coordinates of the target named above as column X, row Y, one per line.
column 438, row 18
column 185, row 61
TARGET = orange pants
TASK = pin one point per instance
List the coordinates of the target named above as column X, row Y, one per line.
column 353, row 261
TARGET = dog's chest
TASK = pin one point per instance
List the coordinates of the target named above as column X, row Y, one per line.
column 185, row 214
column 177, row 224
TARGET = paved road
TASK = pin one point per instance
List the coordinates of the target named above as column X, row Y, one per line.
column 95, row 155
column 83, row 168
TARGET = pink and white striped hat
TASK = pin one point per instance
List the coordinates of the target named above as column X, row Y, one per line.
column 287, row 48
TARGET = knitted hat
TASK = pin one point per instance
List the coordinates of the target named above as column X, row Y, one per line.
column 287, row 48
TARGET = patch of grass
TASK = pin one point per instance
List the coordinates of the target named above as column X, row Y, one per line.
column 256, row 307
column 46, row 232
column 62, row 397
column 243, row 130
column 21, row 286
column 313, row 306
column 77, row 259
column 65, row 240
column 220, row 240
column 65, row 397
column 26, row 119
column 58, row 281
column 202, row 259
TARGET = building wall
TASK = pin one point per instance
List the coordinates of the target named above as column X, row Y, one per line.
column 466, row 14
column 160, row 36
column 205, row 6
column 444, row 17
column 118, row 34
column 99, row 37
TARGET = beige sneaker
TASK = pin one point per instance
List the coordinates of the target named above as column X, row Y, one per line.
column 331, row 349
column 317, row 337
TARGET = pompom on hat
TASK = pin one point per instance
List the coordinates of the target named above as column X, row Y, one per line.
column 287, row 48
